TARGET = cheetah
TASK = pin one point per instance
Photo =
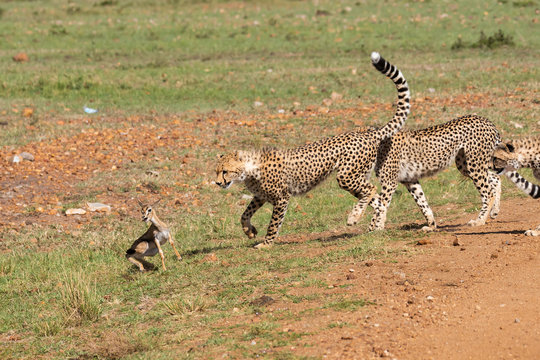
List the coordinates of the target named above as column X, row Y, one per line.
column 515, row 154
column 275, row 176
column 409, row 156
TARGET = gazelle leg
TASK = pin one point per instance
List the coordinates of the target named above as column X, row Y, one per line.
column 136, row 262
column 160, row 254
column 174, row 247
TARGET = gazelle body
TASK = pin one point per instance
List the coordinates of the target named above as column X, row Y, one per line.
column 149, row 244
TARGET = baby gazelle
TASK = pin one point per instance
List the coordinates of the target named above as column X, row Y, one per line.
column 149, row 244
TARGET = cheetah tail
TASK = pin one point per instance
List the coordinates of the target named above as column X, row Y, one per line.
column 404, row 96
column 524, row 185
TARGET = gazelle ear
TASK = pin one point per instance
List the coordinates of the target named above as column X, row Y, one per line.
column 140, row 203
column 156, row 202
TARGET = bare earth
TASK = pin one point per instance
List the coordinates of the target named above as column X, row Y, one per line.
column 476, row 300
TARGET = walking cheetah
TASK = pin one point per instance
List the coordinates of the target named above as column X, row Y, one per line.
column 409, row 156
column 515, row 154
column 275, row 175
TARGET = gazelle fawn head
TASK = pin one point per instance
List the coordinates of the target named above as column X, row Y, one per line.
column 147, row 211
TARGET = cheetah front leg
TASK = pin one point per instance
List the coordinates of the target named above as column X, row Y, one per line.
column 381, row 204
column 415, row 189
column 496, row 184
column 253, row 206
column 278, row 214
column 488, row 194
column 483, row 182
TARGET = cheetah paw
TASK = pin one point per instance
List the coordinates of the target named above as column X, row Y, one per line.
column 476, row 222
column 251, row 232
column 532, row 233
column 428, row 228
column 263, row 245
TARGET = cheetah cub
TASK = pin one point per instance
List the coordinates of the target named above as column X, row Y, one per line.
column 275, row 175
column 411, row 155
column 149, row 244
column 516, row 154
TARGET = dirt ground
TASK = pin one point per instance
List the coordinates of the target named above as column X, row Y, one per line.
column 472, row 293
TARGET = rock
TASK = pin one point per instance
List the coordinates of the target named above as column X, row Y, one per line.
column 424, row 242
column 75, row 212
column 456, row 242
column 21, row 57
column 368, row 263
column 15, row 159
column 98, row 207
column 258, row 104
column 517, row 321
column 27, row 156
column 351, row 276
column 152, row 173
column 494, row 256
column 351, row 270
column 263, row 301
column 247, row 197
column 430, row 298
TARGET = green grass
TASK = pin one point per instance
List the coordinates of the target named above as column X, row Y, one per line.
column 68, row 292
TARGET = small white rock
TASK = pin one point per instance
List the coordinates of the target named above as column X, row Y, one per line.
column 247, row 197
column 27, row 156
column 257, row 103
column 253, row 342
column 431, row 90
column 75, row 212
column 281, row 111
column 15, row 159
column 430, row 298
column 99, row 207
column 351, row 270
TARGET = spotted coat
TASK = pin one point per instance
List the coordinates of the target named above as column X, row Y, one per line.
column 275, row 175
column 512, row 155
column 411, row 155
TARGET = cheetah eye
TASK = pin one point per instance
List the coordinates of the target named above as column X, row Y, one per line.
column 225, row 172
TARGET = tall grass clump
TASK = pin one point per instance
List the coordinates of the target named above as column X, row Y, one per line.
column 80, row 299
column 496, row 40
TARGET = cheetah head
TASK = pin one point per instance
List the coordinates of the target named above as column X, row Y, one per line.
column 505, row 158
column 229, row 170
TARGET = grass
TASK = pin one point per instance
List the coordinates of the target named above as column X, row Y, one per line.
column 161, row 67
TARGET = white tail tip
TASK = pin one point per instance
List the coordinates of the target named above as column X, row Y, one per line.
column 375, row 57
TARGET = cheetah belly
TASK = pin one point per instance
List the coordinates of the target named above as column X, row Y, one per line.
column 414, row 171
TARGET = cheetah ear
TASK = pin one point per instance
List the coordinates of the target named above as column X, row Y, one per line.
column 510, row 147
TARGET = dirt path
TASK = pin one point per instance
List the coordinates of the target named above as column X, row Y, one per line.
column 476, row 300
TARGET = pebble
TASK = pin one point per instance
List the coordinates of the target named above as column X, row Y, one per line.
column 430, row 298
column 15, row 159
column 99, row 207
column 75, row 212
column 257, row 104
column 517, row 321
column 424, row 242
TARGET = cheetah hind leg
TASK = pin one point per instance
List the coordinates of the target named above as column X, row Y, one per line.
column 369, row 196
column 535, row 232
column 496, row 181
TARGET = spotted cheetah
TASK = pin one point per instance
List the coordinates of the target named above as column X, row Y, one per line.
column 515, row 154
column 275, row 175
column 409, row 156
